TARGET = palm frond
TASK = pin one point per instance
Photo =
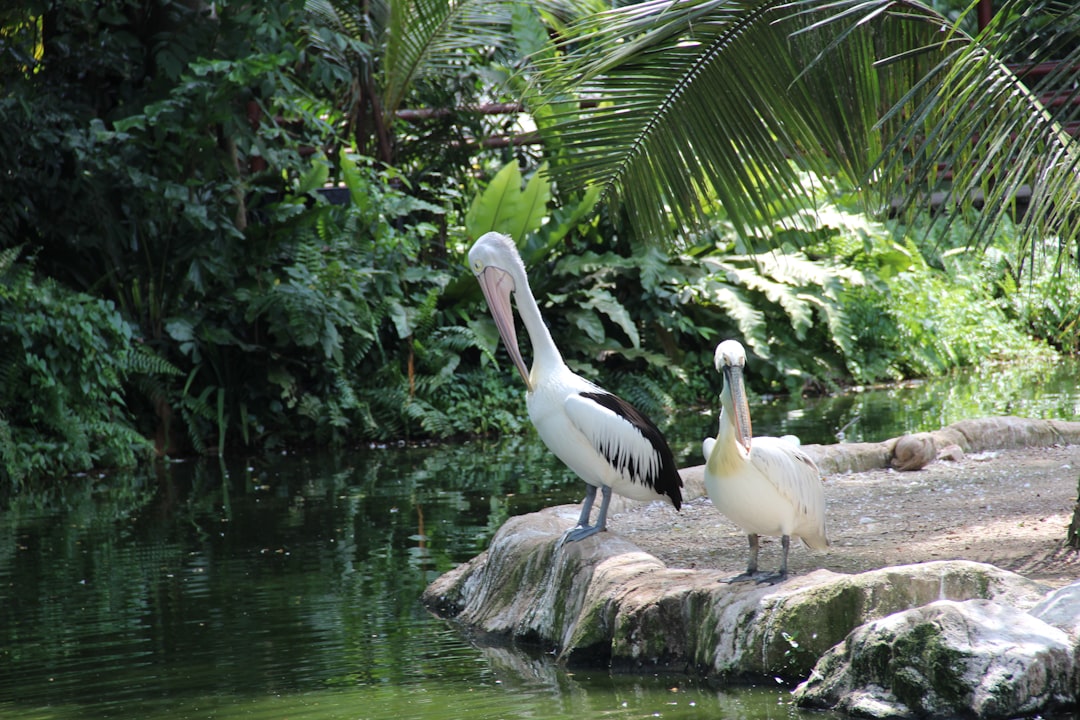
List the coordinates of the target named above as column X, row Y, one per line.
column 350, row 30
column 675, row 118
column 971, row 133
column 698, row 102
column 963, row 130
column 429, row 38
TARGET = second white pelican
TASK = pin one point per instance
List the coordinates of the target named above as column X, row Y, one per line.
column 765, row 485
column 604, row 439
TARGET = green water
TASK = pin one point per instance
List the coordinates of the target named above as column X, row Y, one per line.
column 287, row 586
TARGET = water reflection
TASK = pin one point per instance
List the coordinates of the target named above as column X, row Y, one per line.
column 288, row 586
column 1039, row 389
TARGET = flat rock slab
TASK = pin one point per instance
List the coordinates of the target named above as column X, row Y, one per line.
column 605, row 601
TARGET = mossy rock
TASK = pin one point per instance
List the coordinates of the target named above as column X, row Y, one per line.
column 947, row 659
column 603, row 601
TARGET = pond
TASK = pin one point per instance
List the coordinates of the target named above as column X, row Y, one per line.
column 287, row 586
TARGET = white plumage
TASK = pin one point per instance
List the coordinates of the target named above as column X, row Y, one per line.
column 604, row 439
column 765, row 485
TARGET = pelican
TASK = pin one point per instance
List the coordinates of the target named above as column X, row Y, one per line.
column 765, row 485
column 605, row 440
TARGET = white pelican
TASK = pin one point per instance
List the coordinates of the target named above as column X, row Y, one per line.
column 765, row 485
column 608, row 442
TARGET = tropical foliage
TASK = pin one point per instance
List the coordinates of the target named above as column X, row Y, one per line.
column 230, row 226
column 877, row 90
column 63, row 362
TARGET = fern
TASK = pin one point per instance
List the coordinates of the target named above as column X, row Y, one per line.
column 644, row 392
column 142, row 360
column 424, row 315
column 8, row 256
column 433, row 421
column 749, row 321
column 793, row 303
column 198, row 413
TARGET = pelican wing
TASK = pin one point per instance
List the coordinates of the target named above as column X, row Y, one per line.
column 707, row 446
column 619, row 432
column 793, row 473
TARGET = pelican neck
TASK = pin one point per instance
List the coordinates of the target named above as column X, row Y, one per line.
column 545, row 354
column 725, row 434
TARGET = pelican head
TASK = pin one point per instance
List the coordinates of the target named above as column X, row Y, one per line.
column 495, row 261
column 730, row 359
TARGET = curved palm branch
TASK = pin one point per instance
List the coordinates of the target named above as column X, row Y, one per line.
column 387, row 46
column 401, row 41
column 693, row 102
column 981, row 136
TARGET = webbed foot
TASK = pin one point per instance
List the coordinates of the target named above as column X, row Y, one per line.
column 770, row 578
column 742, row 577
column 580, row 533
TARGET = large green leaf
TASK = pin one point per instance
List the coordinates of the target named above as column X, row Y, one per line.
column 603, row 301
column 507, row 208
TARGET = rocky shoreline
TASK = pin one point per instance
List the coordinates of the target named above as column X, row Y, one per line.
column 935, row 638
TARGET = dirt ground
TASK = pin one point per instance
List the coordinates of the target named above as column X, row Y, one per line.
column 1010, row 508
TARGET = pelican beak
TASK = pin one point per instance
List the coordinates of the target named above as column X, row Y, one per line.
column 740, row 406
column 497, row 285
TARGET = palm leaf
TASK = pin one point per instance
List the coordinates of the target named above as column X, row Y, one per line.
column 655, row 136
column 432, row 38
column 972, row 132
column 704, row 101
column 399, row 42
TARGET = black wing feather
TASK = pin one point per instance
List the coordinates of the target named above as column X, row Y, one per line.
column 667, row 481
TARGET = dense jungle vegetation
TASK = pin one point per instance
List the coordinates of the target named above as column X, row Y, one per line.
column 242, row 226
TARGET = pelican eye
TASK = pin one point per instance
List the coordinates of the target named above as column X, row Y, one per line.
column 477, row 266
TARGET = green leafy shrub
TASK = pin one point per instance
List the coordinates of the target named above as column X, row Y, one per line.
column 935, row 306
column 64, row 360
column 341, row 335
column 1040, row 289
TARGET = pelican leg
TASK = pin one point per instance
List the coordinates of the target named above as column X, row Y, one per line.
column 583, row 529
column 605, row 500
column 785, row 543
column 586, row 506
column 751, row 567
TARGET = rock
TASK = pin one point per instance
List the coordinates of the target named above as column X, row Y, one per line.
column 947, row 659
column 969, row 436
column 951, row 453
column 1061, row 608
column 850, row 457
column 914, row 452
column 781, row 631
column 1003, row 433
column 693, row 482
column 604, row 601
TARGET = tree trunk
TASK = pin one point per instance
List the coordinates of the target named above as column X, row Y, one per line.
column 1073, row 538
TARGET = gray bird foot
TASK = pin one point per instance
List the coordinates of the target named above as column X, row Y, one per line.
column 580, row 533
column 770, row 578
column 740, row 578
